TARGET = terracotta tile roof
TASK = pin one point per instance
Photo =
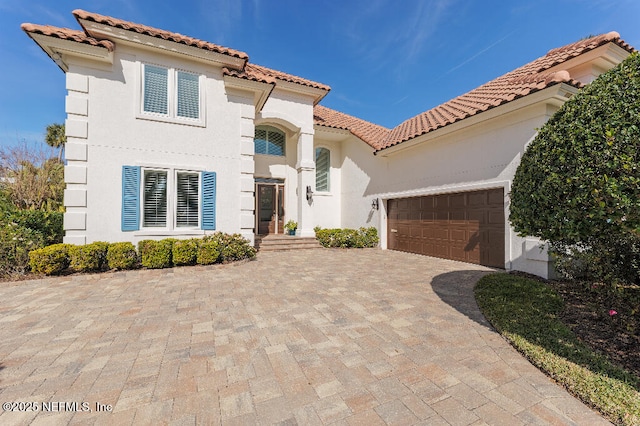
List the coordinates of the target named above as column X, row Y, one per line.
column 264, row 71
column 248, row 75
column 67, row 34
column 372, row 134
column 154, row 32
column 520, row 82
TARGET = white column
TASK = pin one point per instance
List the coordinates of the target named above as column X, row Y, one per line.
column 306, row 168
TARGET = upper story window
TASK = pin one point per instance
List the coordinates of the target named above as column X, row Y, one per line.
column 269, row 140
column 171, row 94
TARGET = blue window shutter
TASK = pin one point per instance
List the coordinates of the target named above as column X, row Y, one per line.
column 130, row 198
column 209, row 200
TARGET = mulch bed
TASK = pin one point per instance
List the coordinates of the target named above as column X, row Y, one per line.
column 606, row 319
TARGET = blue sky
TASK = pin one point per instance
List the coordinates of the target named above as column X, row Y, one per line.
column 386, row 60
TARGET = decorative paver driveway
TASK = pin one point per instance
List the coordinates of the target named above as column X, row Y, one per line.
column 306, row 337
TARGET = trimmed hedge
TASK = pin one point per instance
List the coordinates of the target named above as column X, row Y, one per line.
column 208, row 251
column 122, row 256
column 185, row 252
column 50, row 260
column 357, row 238
column 152, row 254
column 156, row 254
column 89, row 257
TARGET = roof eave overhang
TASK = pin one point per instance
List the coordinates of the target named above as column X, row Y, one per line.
column 603, row 57
column 332, row 133
column 260, row 90
column 59, row 50
column 300, row 89
column 102, row 31
column 555, row 95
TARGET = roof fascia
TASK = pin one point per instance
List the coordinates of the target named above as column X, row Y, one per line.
column 58, row 49
column 332, row 133
column 555, row 95
column 605, row 57
column 300, row 89
column 261, row 91
column 102, row 31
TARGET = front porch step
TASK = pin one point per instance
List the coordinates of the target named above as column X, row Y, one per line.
column 285, row 242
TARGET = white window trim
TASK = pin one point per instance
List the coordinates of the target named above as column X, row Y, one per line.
column 172, row 98
column 172, row 204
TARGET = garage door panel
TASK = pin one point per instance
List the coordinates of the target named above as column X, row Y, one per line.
column 442, row 215
column 458, row 235
column 428, row 216
column 477, row 216
column 477, row 199
column 466, row 226
column 495, row 197
column 457, row 216
column 457, row 201
column 441, row 234
column 496, row 217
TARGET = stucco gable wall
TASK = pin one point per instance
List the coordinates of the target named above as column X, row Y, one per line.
column 116, row 136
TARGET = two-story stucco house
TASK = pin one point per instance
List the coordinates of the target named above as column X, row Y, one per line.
column 170, row 136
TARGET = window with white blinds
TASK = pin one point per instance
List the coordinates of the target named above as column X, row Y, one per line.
column 188, row 202
column 155, row 199
column 170, row 94
column 168, row 199
column 323, row 169
column 269, row 140
column 156, row 86
column 188, row 95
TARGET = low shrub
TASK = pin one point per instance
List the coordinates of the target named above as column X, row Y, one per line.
column 122, row 256
column 155, row 254
column 208, row 251
column 50, row 260
column 185, row 252
column 234, row 247
column 88, row 257
column 358, row 238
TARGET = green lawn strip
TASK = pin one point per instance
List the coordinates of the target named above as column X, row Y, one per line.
column 525, row 312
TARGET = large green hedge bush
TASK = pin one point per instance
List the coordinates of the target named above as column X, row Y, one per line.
column 578, row 184
column 358, row 238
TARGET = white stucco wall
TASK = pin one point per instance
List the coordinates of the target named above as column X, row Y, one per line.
column 327, row 204
column 116, row 135
column 481, row 156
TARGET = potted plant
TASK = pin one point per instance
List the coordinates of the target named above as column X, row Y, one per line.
column 291, row 227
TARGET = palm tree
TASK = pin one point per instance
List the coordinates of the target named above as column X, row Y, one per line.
column 56, row 138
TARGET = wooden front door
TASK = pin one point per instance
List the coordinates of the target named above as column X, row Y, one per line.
column 270, row 209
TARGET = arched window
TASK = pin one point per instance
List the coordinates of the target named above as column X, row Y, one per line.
column 269, row 140
column 323, row 167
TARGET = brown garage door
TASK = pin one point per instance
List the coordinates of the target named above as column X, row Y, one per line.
column 465, row 226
